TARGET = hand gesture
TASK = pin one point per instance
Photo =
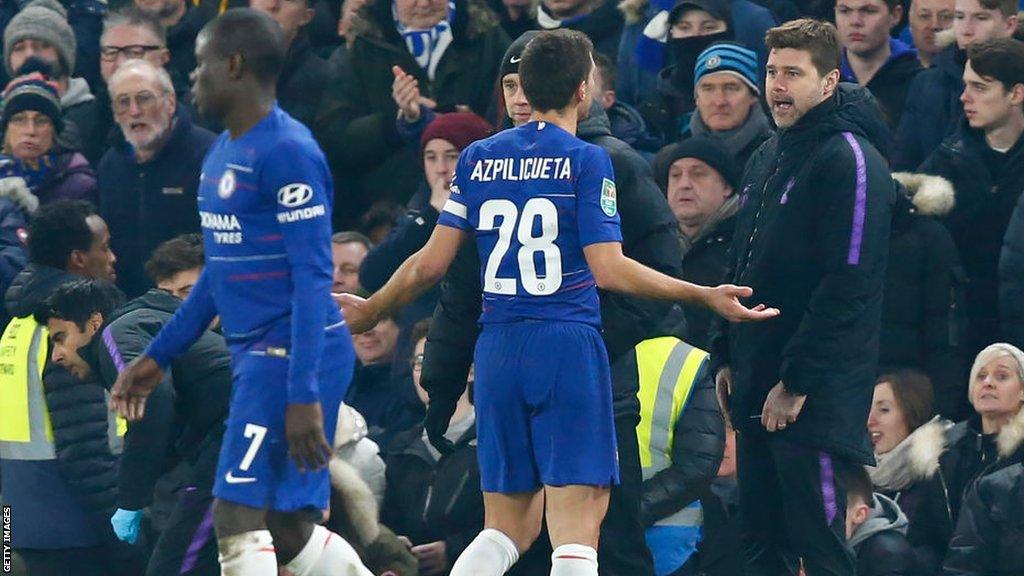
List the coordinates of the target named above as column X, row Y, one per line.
column 432, row 558
column 724, row 300
column 133, row 386
column 781, row 408
column 358, row 313
column 304, row 429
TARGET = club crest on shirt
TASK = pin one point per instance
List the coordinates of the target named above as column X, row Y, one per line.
column 226, row 186
column 608, row 202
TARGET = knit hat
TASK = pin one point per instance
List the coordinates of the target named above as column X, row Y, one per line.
column 510, row 61
column 44, row 20
column 31, row 92
column 707, row 151
column 459, row 128
column 718, row 9
column 728, row 57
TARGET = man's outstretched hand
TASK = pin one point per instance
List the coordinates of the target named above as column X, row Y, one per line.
column 359, row 314
column 304, row 429
column 724, row 300
column 134, row 384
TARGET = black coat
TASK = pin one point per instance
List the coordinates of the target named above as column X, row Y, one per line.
column 706, row 263
column 147, row 204
column 885, row 554
column 931, row 111
column 186, row 411
column 989, row 537
column 1011, row 279
column 181, row 40
column 988, row 185
column 891, row 82
column 603, row 26
column 387, row 404
column 812, row 239
column 300, row 87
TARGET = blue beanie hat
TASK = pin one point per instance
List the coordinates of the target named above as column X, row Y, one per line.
column 728, row 57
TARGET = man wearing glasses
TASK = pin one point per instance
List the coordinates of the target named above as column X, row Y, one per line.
column 150, row 176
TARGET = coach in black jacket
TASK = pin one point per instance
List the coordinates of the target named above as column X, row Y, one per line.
column 812, row 239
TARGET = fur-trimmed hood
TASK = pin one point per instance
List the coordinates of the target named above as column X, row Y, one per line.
column 1011, row 437
column 353, row 467
column 473, row 18
column 914, row 459
column 15, row 189
column 931, row 195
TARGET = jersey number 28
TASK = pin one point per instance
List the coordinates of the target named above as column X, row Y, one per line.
column 522, row 225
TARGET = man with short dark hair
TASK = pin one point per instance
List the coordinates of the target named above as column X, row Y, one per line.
column 348, row 250
column 926, row 19
column 176, row 264
column 875, row 526
column 811, row 238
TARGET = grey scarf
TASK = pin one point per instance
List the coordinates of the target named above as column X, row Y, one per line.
column 737, row 139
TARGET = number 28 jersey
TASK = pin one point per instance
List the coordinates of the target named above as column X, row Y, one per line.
column 534, row 196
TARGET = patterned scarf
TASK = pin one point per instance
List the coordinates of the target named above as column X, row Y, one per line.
column 427, row 46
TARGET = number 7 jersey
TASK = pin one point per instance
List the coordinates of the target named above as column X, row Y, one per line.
column 534, row 196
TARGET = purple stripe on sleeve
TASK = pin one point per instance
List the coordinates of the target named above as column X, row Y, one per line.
column 199, row 539
column 857, row 235
column 828, row 487
column 115, row 354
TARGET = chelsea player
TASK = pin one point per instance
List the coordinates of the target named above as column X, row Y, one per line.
column 542, row 207
column 265, row 199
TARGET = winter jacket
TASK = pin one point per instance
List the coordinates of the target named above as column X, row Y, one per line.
column 706, row 262
column 186, row 411
column 181, row 40
column 989, row 537
column 603, row 25
column 147, row 204
column 303, row 79
column 931, row 111
column 1011, row 279
column 61, row 175
column 17, row 203
column 812, row 239
column 921, row 310
column 356, row 121
column 81, row 110
column 66, row 501
column 890, row 83
column 910, row 475
column 988, row 185
column 388, row 405
column 880, row 543
column 629, row 126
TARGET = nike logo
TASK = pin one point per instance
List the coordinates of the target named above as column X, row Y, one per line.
column 515, row 59
column 232, row 479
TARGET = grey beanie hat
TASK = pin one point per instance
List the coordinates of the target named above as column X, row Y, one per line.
column 42, row 20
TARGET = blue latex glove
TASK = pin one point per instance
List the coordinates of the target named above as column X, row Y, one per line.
column 126, row 524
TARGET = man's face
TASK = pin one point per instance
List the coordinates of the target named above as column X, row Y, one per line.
column 605, row 94
column 583, row 109
column 696, row 22
column 724, row 101
column 208, row 80
column 864, row 24
column 377, row 345
column 25, row 49
column 988, row 104
column 347, row 257
column 516, row 105
column 66, row 338
column 29, row 135
column 142, row 109
column 98, row 262
column 695, row 191
column 928, row 18
column 290, row 14
column 972, row 23
column 564, row 8
column 161, row 9
column 181, row 283
column 439, row 159
column 421, row 14
column 793, row 85
column 122, row 43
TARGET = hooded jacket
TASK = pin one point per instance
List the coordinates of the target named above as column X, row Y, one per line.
column 890, row 83
column 185, row 413
column 989, row 537
column 988, row 185
column 812, row 239
column 356, row 122
column 880, row 543
column 931, row 110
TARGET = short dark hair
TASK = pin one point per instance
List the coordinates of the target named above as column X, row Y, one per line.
column 609, row 72
column 382, row 213
column 1006, row 7
column 553, row 66
column 819, row 38
column 253, row 35
column 890, row 4
column 1001, row 59
column 77, row 301
column 350, row 236
column 913, row 392
column 419, row 331
column 132, row 16
column 176, row 255
column 855, row 481
column 58, row 229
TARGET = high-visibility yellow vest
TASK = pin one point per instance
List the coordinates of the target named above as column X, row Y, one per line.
column 667, row 368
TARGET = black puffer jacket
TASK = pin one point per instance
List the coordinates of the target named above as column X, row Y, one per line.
column 812, row 239
column 921, row 312
column 989, row 537
column 78, row 410
column 1011, row 279
column 968, row 452
column 988, row 185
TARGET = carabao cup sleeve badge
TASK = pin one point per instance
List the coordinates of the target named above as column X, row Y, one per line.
column 608, row 202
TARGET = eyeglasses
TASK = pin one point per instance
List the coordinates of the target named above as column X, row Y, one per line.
column 132, row 52
column 144, row 99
